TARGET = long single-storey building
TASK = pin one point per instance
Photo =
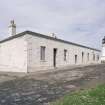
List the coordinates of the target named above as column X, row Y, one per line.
column 29, row 52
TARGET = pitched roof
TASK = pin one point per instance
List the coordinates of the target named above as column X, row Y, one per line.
column 45, row 36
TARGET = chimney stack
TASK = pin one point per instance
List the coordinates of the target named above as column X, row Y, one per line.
column 12, row 28
column 53, row 35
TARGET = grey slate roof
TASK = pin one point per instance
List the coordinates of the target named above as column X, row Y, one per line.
column 45, row 36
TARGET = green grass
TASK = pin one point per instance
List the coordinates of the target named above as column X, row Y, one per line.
column 94, row 96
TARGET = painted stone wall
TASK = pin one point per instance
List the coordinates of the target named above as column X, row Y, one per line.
column 13, row 55
column 22, row 54
column 35, row 64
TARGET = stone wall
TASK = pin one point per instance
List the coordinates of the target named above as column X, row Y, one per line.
column 22, row 54
column 13, row 55
column 35, row 64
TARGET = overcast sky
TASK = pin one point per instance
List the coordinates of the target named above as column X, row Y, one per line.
column 79, row 21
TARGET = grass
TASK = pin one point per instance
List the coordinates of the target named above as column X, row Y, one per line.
column 94, row 96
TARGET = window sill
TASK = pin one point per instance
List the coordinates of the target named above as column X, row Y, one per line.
column 42, row 61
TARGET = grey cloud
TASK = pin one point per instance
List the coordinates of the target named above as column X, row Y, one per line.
column 81, row 21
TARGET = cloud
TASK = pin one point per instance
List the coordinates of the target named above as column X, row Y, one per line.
column 80, row 21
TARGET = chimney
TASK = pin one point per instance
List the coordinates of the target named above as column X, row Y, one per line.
column 53, row 35
column 12, row 28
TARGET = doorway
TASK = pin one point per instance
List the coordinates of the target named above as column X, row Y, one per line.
column 75, row 59
column 54, row 56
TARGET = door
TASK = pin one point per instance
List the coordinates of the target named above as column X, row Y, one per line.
column 75, row 59
column 54, row 56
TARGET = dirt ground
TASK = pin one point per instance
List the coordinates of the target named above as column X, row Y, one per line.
column 44, row 87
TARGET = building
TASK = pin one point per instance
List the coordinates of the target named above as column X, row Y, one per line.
column 103, row 51
column 29, row 52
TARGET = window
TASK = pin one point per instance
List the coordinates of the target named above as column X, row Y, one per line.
column 42, row 53
column 93, row 57
column 65, row 55
column 82, row 57
column 97, row 57
column 87, row 56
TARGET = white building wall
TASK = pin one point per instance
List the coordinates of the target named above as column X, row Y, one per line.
column 22, row 54
column 34, row 62
column 103, row 54
column 13, row 55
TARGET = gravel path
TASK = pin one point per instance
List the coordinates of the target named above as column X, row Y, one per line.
column 42, row 88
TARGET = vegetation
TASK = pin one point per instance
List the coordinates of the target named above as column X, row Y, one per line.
column 94, row 96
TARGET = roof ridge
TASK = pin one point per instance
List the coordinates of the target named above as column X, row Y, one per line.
column 45, row 36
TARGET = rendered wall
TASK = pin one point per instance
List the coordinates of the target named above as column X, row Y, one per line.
column 35, row 64
column 13, row 55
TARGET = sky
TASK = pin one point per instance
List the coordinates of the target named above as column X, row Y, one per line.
column 78, row 21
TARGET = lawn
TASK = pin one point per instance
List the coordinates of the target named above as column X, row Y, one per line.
column 94, row 96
